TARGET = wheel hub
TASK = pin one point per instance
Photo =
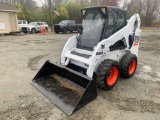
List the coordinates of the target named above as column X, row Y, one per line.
column 112, row 77
column 132, row 66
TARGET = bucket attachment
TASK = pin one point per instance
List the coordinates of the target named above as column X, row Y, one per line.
column 66, row 88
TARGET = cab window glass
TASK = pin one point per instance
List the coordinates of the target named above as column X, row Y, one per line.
column 121, row 21
column 24, row 22
column 20, row 22
column 112, row 17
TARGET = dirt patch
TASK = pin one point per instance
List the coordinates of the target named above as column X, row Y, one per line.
column 134, row 104
column 150, row 43
column 67, row 84
column 34, row 61
column 21, row 57
column 62, row 88
column 26, row 108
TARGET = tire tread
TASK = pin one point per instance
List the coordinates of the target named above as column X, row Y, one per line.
column 124, row 64
column 101, row 73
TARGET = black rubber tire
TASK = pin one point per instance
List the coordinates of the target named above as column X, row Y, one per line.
column 33, row 30
column 56, row 32
column 65, row 31
column 103, row 72
column 71, row 31
column 125, row 63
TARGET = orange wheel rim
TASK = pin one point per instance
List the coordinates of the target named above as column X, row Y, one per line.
column 132, row 66
column 112, row 77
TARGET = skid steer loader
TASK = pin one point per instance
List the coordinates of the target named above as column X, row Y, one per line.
column 105, row 47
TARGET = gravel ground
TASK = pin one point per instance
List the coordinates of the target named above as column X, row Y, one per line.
column 21, row 57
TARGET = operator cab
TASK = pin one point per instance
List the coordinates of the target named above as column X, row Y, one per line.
column 99, row 23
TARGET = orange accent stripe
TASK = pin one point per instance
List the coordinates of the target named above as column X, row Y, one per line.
column 136, row 43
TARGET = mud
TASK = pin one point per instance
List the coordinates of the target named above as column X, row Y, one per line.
column 62, row 88
column 68, row 84
column 34, row 61
column 21, row 57
column 25, row 109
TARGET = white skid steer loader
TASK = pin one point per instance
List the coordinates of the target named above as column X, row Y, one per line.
column 106, row 47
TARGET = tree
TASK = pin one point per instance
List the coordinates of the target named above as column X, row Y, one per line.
column 148, row 10
column 105, row 2
column 68, row 9
column 27, row 8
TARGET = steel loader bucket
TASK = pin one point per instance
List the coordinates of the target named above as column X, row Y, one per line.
column 66, row 88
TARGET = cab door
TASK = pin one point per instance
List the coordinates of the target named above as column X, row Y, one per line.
column 112, row 18
column 38, row 26
column 24, row 23
column 71, row 25
column 121, row 21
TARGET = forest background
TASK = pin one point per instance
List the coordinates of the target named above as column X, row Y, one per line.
column 30, row 10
